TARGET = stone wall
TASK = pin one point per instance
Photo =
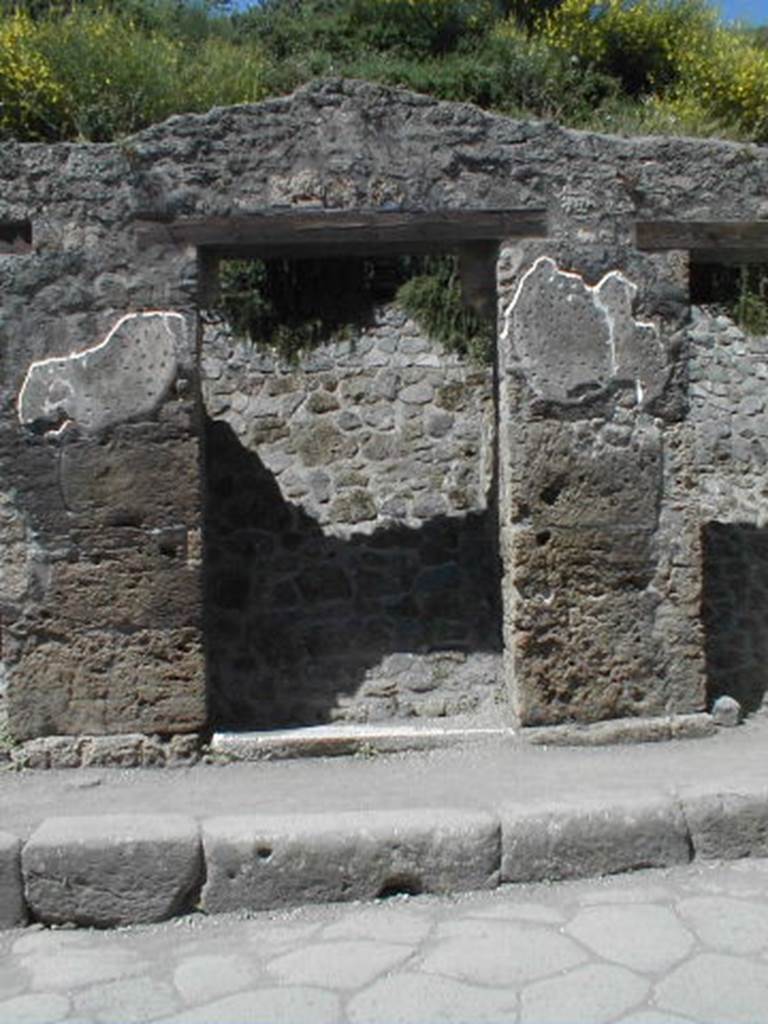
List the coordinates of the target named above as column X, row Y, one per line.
column 352, row 567
column 729, row 439
column 609, row 469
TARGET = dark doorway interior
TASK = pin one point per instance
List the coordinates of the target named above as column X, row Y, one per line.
column 735, row 611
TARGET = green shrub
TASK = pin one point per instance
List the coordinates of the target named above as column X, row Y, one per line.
column 427, row 28
column 509, row 73
column 640, row 42
column 728, row 76
column 115, row 77
column 96, row 74
column 32, row 100
column 220, row 73
column 434, row 300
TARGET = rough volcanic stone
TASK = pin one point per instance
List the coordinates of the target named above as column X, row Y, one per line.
column 150, row 681
column 259, row 862
column 12, row 908
column 112, row 869
column 727, row 826
column 591, row 839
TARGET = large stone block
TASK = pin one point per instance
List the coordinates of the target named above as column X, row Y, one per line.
column 580, row 625
column 591, row 838
column 583, row 473
column 150, row 681
column 126, row 579
column 259, row 862
column 144, row 481
column 727, row 825
column 12, row 907
column 112, row 869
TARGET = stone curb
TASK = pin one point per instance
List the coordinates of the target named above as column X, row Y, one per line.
column 260, row 862
column 13, row 909
column 112, row 869
column 592, row 838
column 126, row 869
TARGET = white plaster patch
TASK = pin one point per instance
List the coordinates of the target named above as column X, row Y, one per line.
column 126, row 375
column 574, row 340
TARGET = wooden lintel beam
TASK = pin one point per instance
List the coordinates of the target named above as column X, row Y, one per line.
column 316, row 247
column 747, row 238
column 368, row 229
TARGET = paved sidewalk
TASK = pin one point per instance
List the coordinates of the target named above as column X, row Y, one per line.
column 655, row 947
column 480, row 776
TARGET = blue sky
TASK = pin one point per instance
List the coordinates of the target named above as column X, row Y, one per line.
column 754, row 12
column 751, row 11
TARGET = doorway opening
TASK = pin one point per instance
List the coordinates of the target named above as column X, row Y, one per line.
column 351, row 571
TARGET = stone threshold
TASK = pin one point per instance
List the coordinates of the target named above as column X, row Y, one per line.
column 346, row 740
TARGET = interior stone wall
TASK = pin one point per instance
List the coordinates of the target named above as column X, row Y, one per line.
column 728, row 423
column 350, row 540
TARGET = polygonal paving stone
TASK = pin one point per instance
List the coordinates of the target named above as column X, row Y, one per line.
column 133, row 999
column 717, row 989
column 381, row 924
column 733, row 926
column 43, row 1008
column 654, row 1017
column 645, row 938
column 595, row 994
column 266, row 1006
column 200, row 979
column 511, row 911
column 499, row 953
column 73, row 968
column 411, row 998
column 338, row 964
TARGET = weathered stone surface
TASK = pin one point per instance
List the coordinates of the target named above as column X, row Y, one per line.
column 727, row 825
column 574, row 340
column 655, row 943
column 111, row 870
column 148, row 681
column 126, row 376
column 591, row 839
column 12, row 909
column 270, row 861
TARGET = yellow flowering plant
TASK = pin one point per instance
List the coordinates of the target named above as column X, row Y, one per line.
column 31, row 98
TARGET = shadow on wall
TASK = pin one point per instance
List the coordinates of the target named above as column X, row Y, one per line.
column 300, row 625
column 734, row 611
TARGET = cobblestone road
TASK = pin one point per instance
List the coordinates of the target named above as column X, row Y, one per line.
column 690, row 944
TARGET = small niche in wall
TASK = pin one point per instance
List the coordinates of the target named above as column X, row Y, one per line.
column 15, row 237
